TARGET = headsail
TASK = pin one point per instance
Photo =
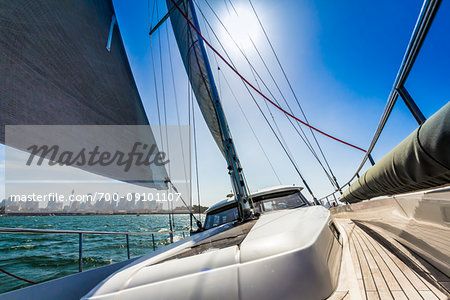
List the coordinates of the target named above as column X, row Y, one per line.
column 64, row 63
column 196, row 67
column 187, row 32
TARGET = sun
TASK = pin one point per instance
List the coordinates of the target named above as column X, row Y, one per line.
column 242, row 25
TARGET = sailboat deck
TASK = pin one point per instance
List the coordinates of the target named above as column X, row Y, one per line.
column 371, row 271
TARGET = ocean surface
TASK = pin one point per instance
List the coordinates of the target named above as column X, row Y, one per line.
column 41, row 257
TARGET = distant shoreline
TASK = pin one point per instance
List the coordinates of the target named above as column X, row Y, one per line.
column 89, row 214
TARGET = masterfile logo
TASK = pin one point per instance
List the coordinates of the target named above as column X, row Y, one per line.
column 140, row 155
column 95, row 168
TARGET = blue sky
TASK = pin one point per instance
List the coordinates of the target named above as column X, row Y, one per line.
column 341, row 58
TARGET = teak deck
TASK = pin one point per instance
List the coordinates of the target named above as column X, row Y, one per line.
column 370, row 271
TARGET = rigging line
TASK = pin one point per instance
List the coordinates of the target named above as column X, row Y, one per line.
column 191, row 192
column 157, row 96
column 156, row 86
column 151, row 11
column 255, row 89
column 163, row 85
column 270, row 111
column 218, row 75
column 150, row 18
column 253, row 70
column 189, row 36
column 273, row 119
column 215, row 58
column 196, row 157
column 249, row 194
column 284, row 148
column 222, row 133
column 17, row 277
column 304, row 137
column 189, row 208
column 226, row 5
column 171, row 215
column 233, row 7
column 251, row 128
column 271, row 114
column 190, row 151
column 280, row 134
column 192, row 108
column 169, row 204
column 267, row 121
column 190, row 146
column 176, row 103
column 291, row 88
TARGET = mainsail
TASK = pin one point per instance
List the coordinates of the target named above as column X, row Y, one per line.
column 64, row 63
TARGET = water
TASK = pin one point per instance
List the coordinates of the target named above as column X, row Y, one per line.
column 41, row 257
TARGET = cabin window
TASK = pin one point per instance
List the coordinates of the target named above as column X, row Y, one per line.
column 222, row 217
column 284, row 202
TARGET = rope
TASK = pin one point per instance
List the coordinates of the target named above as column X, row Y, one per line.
column 251, row 69
column 292, row 90
column 169, row 204
column 189, row 121
column 234, row 95
column 189, row 208
column 163, row 87
column 226, row 5
column 254, row 71
column 191, row 108
column 304, row 137
column 17, row 277
column 286, row 151
column 255, row 89
column 196, row 158
column 253, row 131
column 178, row 120
column 156, row 84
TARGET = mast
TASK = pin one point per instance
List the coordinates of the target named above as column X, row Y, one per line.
column 234, row 166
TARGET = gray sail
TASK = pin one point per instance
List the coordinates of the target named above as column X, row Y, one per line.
column 60, row 64
column 196, row 67
column 421, row 161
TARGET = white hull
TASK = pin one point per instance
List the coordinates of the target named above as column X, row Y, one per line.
column 291, row 254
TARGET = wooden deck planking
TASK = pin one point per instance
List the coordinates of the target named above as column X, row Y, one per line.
column 381, row 274
column 397, row 271
column 421, row 263
column 355, row 261
column 399, row 295
column 381, row 285
column 392, row 283
column 369, row 283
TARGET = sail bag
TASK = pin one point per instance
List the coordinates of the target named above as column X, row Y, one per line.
column 421, row 161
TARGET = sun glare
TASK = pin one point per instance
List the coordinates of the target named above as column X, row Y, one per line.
column 242, row 24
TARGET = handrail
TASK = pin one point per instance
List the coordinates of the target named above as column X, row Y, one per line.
column 423, row 24
column 53, row 231
column 80, row 237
